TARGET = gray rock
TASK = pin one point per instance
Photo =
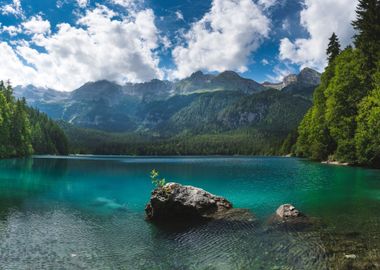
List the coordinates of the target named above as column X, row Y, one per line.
column 177, row 202
column 287, row 211
column 288, row 217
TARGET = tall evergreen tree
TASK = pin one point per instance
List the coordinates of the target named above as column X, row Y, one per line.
column 333, row 48
column 24, row 130
column 5, row 124
column 367, row 38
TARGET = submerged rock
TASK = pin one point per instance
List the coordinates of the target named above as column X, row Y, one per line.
column 177, row 202
column 235, row 214
column 288, row 217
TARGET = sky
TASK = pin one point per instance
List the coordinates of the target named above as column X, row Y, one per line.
column 62, row 44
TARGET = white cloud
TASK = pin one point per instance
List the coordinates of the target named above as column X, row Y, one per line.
column 36, row 25
column 13, row 8
column 11, row 30
column 12, row 68
column 98, row 47
column 223, row 39
column 264, row 62
column 82, row 3
column 286, row 25
column 320, row 18
column 280, row 71
column 267, row 3
column 179, row 15
column 127, row 3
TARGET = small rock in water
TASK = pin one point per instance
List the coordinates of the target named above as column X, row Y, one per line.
column 350, row 256
column 286, row 211
column 288, row 217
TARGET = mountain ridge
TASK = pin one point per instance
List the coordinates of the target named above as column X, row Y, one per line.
column 306, row 77
column 194, row 105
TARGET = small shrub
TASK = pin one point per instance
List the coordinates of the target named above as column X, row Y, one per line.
column 159, row 183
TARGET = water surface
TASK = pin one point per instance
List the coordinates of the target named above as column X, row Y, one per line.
column 88, row 213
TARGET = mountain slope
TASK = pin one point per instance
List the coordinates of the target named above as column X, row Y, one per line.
column 221, row 106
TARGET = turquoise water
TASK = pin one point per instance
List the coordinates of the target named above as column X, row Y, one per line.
column 88, row 213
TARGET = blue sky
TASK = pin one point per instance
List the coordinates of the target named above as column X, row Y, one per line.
column 62, row 44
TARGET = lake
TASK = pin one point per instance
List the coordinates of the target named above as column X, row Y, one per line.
column 87, row 212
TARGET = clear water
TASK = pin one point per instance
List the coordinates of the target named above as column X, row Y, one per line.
column 88, row 213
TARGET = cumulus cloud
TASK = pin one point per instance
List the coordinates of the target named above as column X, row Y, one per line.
column 11, row 30
column 320, row 18
column 223, row 39
column 99, row 46
column 13, row 8
column 36, row 25
column 127, row 3
column 12, row 67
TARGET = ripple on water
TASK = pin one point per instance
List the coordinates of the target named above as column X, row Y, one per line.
column 70, row 219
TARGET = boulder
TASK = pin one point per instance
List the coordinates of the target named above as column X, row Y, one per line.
column 178, row 202
column 287, row 211
column 289, row 217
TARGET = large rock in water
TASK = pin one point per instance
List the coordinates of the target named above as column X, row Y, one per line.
column 175, row 201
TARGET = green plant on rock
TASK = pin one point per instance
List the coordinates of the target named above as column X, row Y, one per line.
column 159, row 183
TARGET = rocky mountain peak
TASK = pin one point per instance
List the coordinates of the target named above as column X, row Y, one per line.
column 229, row 75
column 306, row 77
column 309, row 76
column 197, row 74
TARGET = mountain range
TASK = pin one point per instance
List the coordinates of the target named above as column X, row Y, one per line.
column 199, row 104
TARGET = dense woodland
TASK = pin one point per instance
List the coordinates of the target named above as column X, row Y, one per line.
column 249, row 141
column 25, row 131
column 344, row 123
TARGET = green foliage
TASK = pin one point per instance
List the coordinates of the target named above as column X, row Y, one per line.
column 24, row 131
column 314, row 139
column 288, row 146
column 343, row 95
column 367, row 38
column 329, row 127
column 367, row 137
column 159, row 183
column 333, row 48
column 344, row 122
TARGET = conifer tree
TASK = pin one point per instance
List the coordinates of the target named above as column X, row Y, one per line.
column 24, row 130
column 333, row 48
column 367, row 38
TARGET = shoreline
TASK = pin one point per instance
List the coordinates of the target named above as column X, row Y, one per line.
column 336, row 163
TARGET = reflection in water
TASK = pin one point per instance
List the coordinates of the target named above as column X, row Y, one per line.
column 88, row 213
column 23, row 179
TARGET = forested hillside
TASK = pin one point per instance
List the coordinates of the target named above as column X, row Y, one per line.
column 344, row 123
column 25, row 131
